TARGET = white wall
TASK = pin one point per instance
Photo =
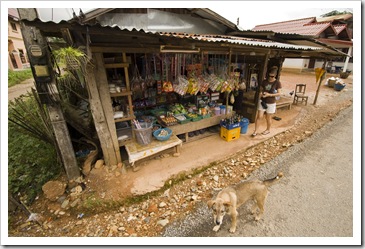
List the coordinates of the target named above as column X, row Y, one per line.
column 296, row 64
column 300, row 64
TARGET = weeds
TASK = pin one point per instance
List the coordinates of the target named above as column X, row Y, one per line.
column 17, row 77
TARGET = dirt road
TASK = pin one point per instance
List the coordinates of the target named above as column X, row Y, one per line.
column 19, row 89
column 314, row 199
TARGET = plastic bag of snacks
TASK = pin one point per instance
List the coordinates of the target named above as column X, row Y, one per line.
column 182, row 85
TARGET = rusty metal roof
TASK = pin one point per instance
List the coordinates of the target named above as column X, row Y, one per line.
column 305, row 26
column 339, row 28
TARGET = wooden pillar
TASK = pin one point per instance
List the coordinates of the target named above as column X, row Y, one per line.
column 39, row 58
column 95, row 74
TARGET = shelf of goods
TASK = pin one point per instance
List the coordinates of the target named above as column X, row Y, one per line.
column 123, row 92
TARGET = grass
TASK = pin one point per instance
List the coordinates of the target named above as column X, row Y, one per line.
column 17, row 77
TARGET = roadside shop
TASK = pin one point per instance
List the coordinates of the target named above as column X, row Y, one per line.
column 140, row 83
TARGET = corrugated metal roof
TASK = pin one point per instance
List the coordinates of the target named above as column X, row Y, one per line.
column 250, row 42
column 239, row 41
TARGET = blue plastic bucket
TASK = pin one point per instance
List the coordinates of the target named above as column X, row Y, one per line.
column 244, row 125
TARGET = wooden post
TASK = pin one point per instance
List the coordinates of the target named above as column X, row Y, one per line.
column 320, row 82
column 94, row 73
column 106, row 104
column 39, row 58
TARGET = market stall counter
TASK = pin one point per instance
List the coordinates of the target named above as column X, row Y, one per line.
column 137, row 151
column 201, row 124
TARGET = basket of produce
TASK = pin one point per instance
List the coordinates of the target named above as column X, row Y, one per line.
column 181, row 119
column 168, row 120
column 193, row 117
column 162, row 134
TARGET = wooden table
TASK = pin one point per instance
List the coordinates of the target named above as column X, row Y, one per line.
column 137, row 152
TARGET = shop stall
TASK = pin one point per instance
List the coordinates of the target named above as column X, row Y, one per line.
column 140, row 82
column 184, row 92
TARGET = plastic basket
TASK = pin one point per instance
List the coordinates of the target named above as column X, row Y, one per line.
column 144, row 134
column 230, row 135
column 339, row 87
column 229, row 126
column 162, row 138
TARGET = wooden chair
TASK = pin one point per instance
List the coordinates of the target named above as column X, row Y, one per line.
column 299, row 94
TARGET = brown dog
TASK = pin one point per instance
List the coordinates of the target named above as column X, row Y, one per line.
column 230, row 198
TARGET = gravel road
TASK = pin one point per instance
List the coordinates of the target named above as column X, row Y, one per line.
column 313, row 199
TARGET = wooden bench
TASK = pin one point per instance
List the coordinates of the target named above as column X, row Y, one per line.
column 138, row 152
column 284, row 102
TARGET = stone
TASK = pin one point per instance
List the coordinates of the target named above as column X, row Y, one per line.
column 53, row 190
column 75, row 202
column 152, row 208
column 216, row 178
column 166, row 193
column 65, row 204
column 162, row 204
column 99, row 164
column 163, row 222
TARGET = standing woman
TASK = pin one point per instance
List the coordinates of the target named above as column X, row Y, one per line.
column 270, row 89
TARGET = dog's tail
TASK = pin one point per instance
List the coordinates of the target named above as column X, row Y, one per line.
column 269, row 182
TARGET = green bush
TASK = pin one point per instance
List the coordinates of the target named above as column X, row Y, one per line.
column 16, row 77
column 31, row 162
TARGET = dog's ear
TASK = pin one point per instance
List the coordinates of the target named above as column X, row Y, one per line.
column 227, row 203
column 211, row 203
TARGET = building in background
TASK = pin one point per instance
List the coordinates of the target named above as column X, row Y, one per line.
column 17, row 54
column 335, row 31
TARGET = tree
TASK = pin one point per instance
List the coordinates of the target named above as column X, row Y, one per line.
column 349, row 22
column 335, row 13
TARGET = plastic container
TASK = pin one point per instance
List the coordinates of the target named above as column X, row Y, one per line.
column 229, row 109
column 217, row 111
column 244, row 125
column 144, row 134
column 162, row 138
column 339, row 87
column 223, row 109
